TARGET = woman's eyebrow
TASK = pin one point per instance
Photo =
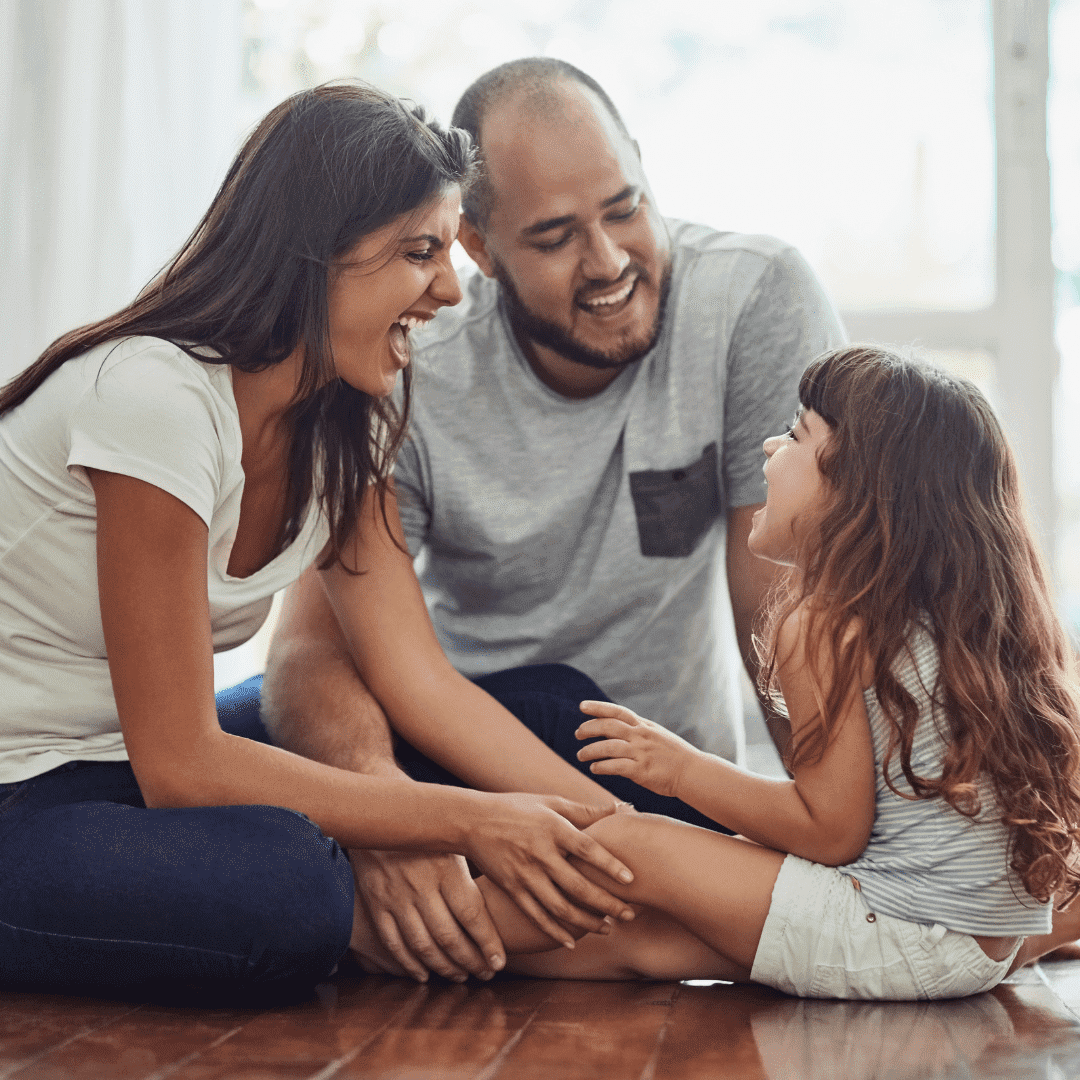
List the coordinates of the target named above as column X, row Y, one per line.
column 434, row 241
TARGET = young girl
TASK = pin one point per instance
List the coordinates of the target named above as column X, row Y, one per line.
column 934, row 802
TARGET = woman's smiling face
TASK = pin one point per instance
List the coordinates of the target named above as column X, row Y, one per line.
column 392, row 280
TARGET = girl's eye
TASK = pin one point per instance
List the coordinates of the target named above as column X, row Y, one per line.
column 421, row 256
column 789, row 433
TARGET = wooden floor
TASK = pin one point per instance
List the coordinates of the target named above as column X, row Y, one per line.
column 367, row 1027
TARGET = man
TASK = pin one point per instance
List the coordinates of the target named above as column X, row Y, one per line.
column 584, row 465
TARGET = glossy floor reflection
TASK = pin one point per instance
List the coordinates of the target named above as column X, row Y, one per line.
column 364, row 1027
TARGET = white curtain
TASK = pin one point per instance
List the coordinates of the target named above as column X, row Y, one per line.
column 117, row 123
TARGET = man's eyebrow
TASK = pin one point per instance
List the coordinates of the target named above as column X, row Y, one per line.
column 627, row 192
column 548, row 224
column 568, row 219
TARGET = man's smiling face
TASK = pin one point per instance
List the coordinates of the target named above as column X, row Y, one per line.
column 573, row 236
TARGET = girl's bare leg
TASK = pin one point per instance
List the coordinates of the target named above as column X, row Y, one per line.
column 701, row 900
column 1066, row 929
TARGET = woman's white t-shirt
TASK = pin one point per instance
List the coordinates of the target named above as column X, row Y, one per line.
column 144, row 408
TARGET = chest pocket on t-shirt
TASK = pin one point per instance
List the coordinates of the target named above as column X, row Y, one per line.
column 676, row 507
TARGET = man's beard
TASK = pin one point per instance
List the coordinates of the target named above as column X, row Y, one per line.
column 528, row 326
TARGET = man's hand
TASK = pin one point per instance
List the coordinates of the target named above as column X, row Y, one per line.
column 634, row 747
column 427, row 914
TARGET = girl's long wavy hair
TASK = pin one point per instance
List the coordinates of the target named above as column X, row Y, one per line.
column 324, row 169
column 924, row 523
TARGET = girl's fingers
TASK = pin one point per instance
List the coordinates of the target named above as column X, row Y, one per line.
column 610, row 726
column 609, row 748
column 614, row 767
column 609, row 708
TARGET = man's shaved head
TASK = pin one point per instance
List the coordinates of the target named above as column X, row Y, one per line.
column 534, row 80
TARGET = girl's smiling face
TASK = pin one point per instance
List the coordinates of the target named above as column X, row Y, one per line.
column 393, row 280
column 798, row 494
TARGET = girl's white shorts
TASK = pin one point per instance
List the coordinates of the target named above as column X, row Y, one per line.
column 822, row 940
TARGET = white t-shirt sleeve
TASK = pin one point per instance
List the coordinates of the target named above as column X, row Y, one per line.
column 153, row 414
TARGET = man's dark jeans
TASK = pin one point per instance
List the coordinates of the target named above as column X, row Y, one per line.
column 544, row 697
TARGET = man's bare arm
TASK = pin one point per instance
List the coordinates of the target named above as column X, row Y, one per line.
column 313, row 700
column 749, row 582
column 316, row 703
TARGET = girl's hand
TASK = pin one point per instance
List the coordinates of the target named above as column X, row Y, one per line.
column 521, row 842
column 634, row 747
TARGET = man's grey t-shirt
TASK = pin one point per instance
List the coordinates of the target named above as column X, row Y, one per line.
column 592, row 532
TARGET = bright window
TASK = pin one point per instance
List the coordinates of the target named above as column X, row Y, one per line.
column 1064, row 147
column 861, row 130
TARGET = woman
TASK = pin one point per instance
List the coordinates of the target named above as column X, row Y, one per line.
column 202, row 447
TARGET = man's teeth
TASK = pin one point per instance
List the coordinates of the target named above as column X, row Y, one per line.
column 615, row 297
column 410, row 322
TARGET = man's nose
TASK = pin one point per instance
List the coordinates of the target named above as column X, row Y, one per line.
column 604, row 260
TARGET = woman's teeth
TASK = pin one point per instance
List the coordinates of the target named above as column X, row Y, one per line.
column 410, row 322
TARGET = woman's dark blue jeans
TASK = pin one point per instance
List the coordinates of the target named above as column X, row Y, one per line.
column 102, row 895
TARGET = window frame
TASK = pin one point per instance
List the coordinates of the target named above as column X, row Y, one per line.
column 1017, row 329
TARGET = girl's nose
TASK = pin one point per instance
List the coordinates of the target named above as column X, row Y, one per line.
column 770, row 444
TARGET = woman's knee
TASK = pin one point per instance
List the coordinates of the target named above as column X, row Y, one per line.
column 302, row 909
column 243, row 896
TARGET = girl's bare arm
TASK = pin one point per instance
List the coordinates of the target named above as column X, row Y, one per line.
column 824, row 814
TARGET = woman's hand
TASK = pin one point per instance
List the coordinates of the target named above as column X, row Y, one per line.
column 521, row 842
column 634, row 747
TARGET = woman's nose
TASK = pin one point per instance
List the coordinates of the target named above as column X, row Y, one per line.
column 446, row 289
column 770, row 444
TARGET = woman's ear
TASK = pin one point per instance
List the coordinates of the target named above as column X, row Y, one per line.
column 472, row 241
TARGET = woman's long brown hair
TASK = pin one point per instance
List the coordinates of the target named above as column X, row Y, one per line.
column 324, row 168
column 925, row 523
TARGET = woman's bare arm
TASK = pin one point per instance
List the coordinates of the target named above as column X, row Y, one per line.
column 155, row 615
column 384, row 620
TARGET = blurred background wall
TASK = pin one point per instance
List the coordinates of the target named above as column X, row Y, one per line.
column 924, row 156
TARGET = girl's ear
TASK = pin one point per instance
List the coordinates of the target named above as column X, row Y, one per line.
column 473, row 242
